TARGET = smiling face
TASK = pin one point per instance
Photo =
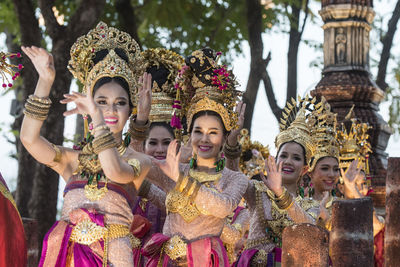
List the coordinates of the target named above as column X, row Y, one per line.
column 156, row 144
column 291, row 155
column 207, row 137
column 113, row 101
column 325, row 174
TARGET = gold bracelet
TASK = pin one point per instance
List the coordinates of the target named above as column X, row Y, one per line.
column 38, row 104
column 99, row 128
column 43, row 111
column 104, row 142
column 34, row 115
column 44, row 100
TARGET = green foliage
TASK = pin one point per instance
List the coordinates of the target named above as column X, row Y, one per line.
column 8, row 18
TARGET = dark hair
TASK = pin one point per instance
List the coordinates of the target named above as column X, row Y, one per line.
column 158, row 74
column 312, row 159
column 208, row 113
column 302, row 149
column 100, row 55
column 163, row 124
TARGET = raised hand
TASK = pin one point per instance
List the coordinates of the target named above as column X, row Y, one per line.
column 349, row 178
column 84, row 104
column 171, row 164
column 274, row 176
column 233, row 135
column 324, row 214
column 43, row 62
column 144, row 97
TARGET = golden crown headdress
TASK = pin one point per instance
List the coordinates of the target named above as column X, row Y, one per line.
column 353, row 143
column 324, row 134
column 84, row 50
column 295, row 125
column 164, row 66
column 206, row 85
column 252, row 158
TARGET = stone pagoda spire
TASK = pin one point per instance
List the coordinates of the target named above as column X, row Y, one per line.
column 346, row 78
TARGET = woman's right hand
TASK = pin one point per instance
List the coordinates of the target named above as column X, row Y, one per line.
column 43, row 62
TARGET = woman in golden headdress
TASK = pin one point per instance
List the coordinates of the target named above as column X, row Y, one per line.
column 200, row 195
column 96, row 218
column 355, row 181
column 152, row 132
column 275, row 202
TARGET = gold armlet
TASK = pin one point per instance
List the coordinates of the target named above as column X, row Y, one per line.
column 135, row 164
column 57, row 157
column 232, row 152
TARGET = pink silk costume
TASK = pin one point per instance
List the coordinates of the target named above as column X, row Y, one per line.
column 202, row 234
column 114, row 208
column 267, row 224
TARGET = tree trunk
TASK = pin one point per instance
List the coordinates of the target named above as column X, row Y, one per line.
column 387, row 42
column 254, row 26
column 30, row 35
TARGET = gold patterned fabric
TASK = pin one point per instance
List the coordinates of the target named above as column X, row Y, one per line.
column 215, row 202
column 267, row 221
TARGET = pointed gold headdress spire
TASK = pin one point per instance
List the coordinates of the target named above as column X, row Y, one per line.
column 294, row 125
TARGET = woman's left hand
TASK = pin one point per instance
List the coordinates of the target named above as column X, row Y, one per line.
column 144, row 98
column 84, row 104
column 171, row 164
column 233, row 135
column 349, row 178
column 274, row 176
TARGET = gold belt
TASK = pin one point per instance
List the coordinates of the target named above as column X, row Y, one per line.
column 87, row 232
column 175, row 248
column 260, row 259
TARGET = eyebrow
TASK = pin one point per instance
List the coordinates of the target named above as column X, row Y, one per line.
column 118, row 98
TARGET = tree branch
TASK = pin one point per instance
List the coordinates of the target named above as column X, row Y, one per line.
column 28, row 24
column 269, row 91
column 85, row 16
column 387, row 42
column 52, row 27
column 226, row 14
column 306, row 11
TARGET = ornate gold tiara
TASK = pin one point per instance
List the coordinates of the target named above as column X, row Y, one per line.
column 163, row 95
column 324, row 134
column 83, row 52
column 256, row 150
column 208, row 86
column 294, row 124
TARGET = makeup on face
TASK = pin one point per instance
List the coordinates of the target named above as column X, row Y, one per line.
column 291, row 155
column 113, row 101
column 157, row 143
column 207, row 136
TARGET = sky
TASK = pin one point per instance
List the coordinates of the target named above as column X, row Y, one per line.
column 264, row 125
